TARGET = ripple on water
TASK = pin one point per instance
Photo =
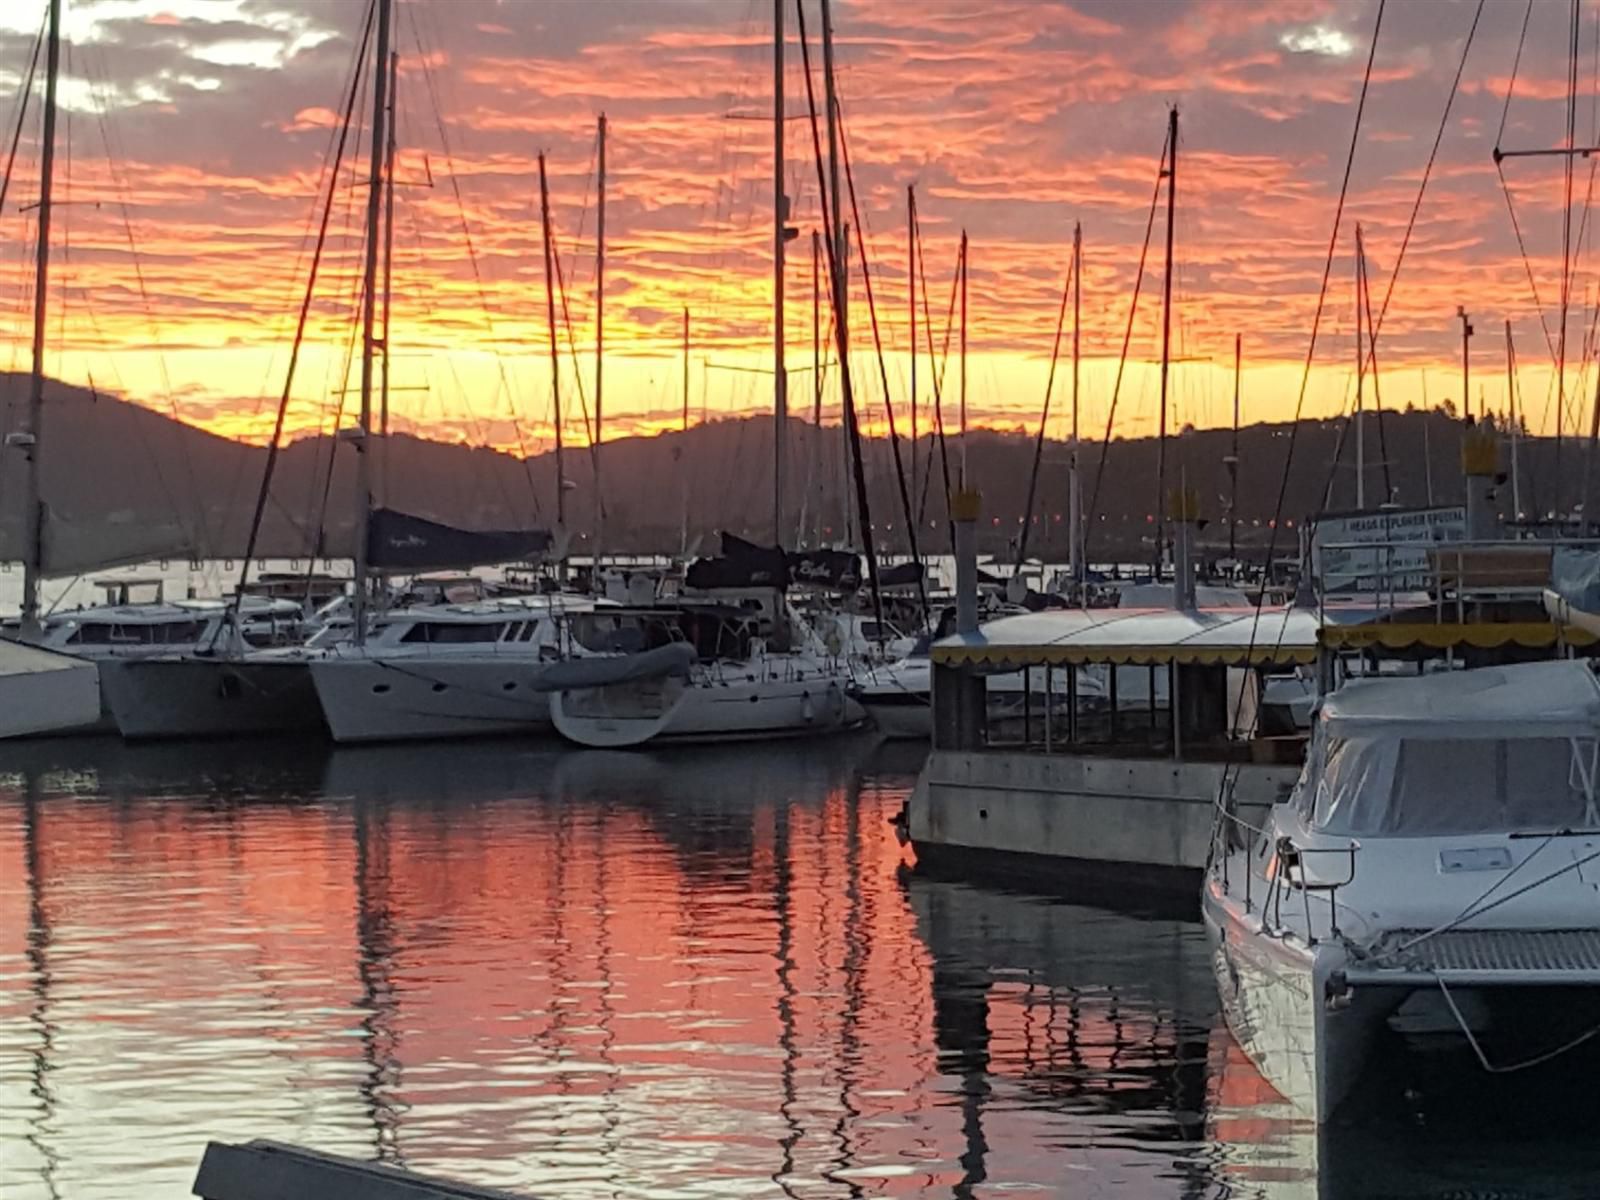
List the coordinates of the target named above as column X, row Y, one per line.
column 612, row 974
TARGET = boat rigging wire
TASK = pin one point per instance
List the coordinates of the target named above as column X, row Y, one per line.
column 853, row 430
column 1509, row 1068
column 1505, row 186
column 1566, row 248
column 356, row 296
column 1230, row 770
column 938, row 375
column 1370, row 359
column 100, row 86
column 1372, row 356
column 431, row 90
column 22, row 115
column 1044, row 415
column 572, row 346
column 1427, row 173
column 274, row 447
column 883, row 370
column 1122, row 361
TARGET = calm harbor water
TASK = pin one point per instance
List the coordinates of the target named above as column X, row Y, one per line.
column 590, row 975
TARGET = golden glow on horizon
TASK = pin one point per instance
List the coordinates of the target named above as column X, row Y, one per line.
column 1012, row 123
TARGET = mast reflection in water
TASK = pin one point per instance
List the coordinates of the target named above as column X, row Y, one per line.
column 591, row 974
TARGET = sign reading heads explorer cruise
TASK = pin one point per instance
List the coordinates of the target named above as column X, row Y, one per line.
column 1383, row 551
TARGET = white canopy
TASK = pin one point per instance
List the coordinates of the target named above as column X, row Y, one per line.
column 1217, row 636
column 1540, row 699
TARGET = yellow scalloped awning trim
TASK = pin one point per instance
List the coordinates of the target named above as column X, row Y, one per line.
column 1480, row 635
column 1012, row 658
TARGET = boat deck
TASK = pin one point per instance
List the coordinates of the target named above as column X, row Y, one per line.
column 1525, row 957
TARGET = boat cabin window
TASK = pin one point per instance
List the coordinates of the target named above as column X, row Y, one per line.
column 1429, row 787
column 713, row 633
column 452, row 633
column 167, row 633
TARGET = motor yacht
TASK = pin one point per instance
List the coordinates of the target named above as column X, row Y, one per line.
column 449, row 670
column 1430, row 882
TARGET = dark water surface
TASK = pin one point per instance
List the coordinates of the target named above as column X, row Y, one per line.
column 580, row 974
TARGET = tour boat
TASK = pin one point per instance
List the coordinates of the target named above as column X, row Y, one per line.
column 1429, row 882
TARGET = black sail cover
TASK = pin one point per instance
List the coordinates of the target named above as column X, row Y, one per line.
column 745, row 564
column 398, row 541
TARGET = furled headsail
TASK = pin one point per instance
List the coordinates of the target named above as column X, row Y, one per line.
column 746, row 564
column 398, row 541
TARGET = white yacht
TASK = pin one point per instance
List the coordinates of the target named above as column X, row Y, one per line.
column 1430, row 881
column 448, row 670
column 699, row 671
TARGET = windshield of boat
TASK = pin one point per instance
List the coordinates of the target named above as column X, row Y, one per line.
column 1428, row 787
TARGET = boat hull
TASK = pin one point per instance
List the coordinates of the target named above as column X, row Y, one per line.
column 43, row 693
column 903, row 717
column 192, row 697
column 738, row 708
column 364, row 700
column 1309, row 1036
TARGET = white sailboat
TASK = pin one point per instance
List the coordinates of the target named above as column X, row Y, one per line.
column 1429, row 882
column 42, row 690
column 225, row 689
column 698, row 671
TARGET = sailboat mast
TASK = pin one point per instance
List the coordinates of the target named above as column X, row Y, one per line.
column 1075, row 565
column 33, row 512
column 683, row 442
column 841, row 243
column 780, row 217
column 1427, row 438
column 555, row 356
column 1166, row 337
column 1233, row 454
column 816, row 367
column 963, row 269
column 599, row 351
column 1361, row 406
column 388, row 259
column 911, row 311
column 1516, row 432
column 369, row 297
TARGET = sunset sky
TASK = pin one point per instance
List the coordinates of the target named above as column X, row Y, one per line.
column 1013, row 118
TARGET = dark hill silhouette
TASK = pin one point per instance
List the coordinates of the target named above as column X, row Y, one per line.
column 105, row 458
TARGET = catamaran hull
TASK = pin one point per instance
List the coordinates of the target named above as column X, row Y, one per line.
column 43, row 693
column 668, row 710
column 178, row 698
column 1307, row 1035
column 405, row 700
